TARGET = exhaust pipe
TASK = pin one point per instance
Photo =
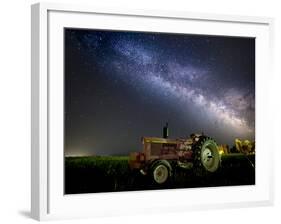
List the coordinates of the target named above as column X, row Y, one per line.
column 166, row 131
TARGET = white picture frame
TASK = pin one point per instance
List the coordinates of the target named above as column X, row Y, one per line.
column 48, row 201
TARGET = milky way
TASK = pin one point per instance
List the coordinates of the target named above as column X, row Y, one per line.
column 124, row 85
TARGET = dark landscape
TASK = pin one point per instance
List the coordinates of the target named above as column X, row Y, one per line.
column 112, row 174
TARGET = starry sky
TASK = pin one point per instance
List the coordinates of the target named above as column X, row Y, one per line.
column 122, row 85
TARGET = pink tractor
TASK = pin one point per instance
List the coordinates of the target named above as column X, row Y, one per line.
column 159, row 156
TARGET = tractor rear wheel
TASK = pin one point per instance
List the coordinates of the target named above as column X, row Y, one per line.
column 207, row 158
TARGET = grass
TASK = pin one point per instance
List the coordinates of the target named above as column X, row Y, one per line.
column 109, row 165
column 96, row 174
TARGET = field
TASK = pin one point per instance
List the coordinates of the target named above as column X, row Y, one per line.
column 112, row 173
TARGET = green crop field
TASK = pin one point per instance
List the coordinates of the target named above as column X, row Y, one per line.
column 109, row 164
column 112, row 173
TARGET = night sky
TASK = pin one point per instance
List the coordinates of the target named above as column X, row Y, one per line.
column 120, row 86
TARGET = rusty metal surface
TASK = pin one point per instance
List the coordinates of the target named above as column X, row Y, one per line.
column 155, row 148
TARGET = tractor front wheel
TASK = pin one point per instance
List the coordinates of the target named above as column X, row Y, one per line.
column 160, row 173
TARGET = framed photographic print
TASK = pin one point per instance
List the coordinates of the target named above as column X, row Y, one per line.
column 164, row 111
